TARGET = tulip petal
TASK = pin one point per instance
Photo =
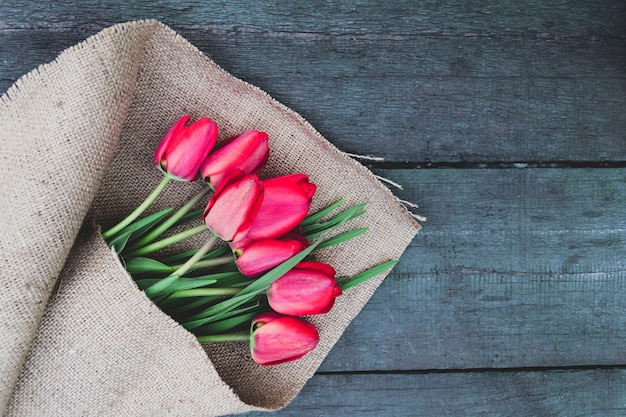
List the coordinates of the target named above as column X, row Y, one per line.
column 286, row 203
column 303, row 291
column 278, row 339
column 248, row 152
column 263, row 255
column 173, row 131
column 231, row 211
column 320, row 267
column 187, row 150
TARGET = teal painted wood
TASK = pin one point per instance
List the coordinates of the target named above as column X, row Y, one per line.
column 409, row 81
column 513, row 268
column 490, row 394
column 576, row 18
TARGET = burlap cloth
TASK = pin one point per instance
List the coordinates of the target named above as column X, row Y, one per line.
column 77, row 136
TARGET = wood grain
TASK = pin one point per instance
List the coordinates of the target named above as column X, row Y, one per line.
column 407, row 81
column 513, row 268
column 488, row 394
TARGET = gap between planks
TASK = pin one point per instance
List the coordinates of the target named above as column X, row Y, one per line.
column 494, row 165
column 481, row 370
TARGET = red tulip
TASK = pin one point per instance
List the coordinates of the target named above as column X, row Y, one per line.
column 277, row 339
column 248, row 152
column 233, row 207
column 262, row 255
column 286, row 203
column 183, row 149
column 309, row 288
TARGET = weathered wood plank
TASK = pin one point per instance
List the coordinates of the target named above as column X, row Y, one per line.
column 574, row 18
column 515, row 394
column 433, row 99
column 410, row 82
column 513, row 268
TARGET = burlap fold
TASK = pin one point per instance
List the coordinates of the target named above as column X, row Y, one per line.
column 76, row 143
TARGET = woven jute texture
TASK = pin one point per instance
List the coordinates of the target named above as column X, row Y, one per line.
column 76, row 140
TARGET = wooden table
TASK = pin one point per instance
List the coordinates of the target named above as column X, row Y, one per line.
column 505, row 123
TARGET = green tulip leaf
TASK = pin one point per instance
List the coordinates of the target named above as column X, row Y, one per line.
column 180, row 285
column 184, row 306
column 182, row 257
column 192, row 215
column 141, row 265
column 313, row 218
column 203, row 292
column 349, row 282
column 315, row 230
column 119, row 241
column 342, row 237
column 226, row 325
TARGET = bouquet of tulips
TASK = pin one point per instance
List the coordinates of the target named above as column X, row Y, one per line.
column 263, row 279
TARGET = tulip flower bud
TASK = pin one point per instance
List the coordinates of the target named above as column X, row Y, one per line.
column 277, row 339
column 286, row 203
column 233, row 207
column 309, row 288
column 260, row 256
column 248, row 152
column 183, row 149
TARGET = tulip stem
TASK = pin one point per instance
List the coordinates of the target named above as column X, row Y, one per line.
column 163, row 243
column 161, row 285
column 196, row 257
column 204, row 292
column 228, row 337
column 137, row 212
column 164, row 227
column 207, row 263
